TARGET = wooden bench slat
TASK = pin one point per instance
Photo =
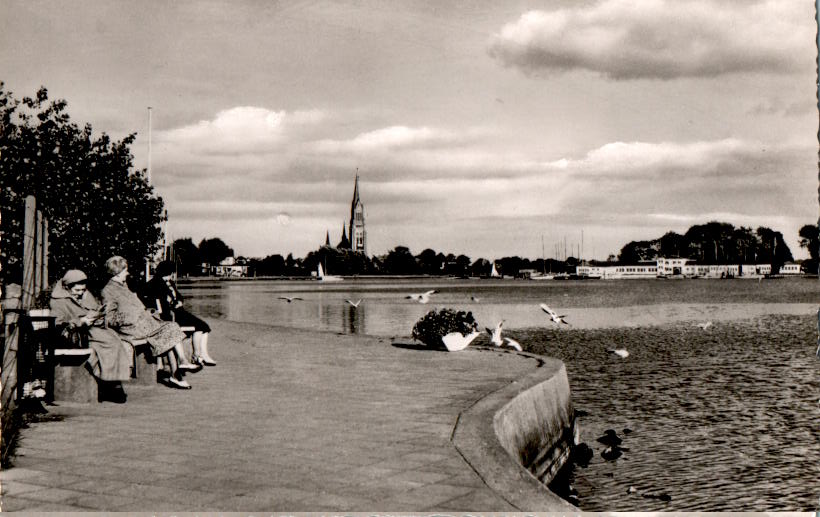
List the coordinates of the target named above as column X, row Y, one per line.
column 72, row 351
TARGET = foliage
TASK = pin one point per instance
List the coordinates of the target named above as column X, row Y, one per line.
column 400, row 261
column 433, row 325
column 187, row 257
column 714, row 243
column 11, row 422
column 96, row 204
column 213, row 251
column 810, row 240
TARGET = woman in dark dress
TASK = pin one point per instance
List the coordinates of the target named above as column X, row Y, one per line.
column 162, row 293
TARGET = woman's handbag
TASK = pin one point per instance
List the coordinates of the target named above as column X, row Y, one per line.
column 75, row 337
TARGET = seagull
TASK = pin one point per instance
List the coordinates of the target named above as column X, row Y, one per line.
column 704, row 326
column 289, row 298
column 422, row 297
column 620, row 352
column 495, row 334
column 553, row 315
column 455, row 341
column 513, row 343
column 356, row 303
column 473, row 298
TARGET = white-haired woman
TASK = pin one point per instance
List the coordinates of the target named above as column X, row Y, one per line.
column 77, row 311
column 127, row 315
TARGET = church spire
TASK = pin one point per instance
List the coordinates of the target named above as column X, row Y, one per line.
column 355, row 192
column 327, row 238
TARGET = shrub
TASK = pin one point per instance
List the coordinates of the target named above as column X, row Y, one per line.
column 433, row 325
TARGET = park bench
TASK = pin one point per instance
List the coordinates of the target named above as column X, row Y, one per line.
column 67, row 382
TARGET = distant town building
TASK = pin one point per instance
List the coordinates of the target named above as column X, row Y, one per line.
column 356, row 228
column 790, row 268
column 358, row 233
column 230, row 267
column 665, row 267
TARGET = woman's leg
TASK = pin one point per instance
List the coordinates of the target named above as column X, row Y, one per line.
column 176, row 374
column 204, row 349
column 184, row 363
column 196, row 339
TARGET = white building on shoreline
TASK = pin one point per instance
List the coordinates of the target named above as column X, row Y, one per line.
column 675, row 267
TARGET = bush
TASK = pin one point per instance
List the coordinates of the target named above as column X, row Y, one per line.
column 433, row 325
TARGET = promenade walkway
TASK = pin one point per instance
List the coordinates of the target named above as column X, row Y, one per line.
column 289, row 421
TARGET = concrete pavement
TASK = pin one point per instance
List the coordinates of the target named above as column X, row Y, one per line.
column 289, row 420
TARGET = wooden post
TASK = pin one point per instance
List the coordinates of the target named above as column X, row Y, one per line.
column 44, row 255
column 39, row 283
column 29, row 254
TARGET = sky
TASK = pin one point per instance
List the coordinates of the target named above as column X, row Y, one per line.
column 479, row 127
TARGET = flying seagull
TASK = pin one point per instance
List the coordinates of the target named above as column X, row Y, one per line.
column 356, row 303
column 455, row 341
column 422, row 297
column 289, row 298
column 620, row 352
column 554, row 316
column 495, row 334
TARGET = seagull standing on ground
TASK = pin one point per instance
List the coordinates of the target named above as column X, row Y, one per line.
column 455, row 341
column 495, row 334
column 289, row 298
column 554, row 316
column 704, row 326
column 356, row 303
column 422, row 297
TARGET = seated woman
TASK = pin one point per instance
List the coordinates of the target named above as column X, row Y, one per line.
column 162, row 293
column 127, row 315
column 78, row 311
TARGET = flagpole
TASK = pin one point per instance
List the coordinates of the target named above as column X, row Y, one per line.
column 148, row 259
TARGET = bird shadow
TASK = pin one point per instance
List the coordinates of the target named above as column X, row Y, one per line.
column 415, row 346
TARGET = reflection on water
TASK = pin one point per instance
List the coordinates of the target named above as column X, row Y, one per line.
column 384, row 310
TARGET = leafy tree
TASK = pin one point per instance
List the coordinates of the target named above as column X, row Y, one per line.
column 638, row 251
column 400, row 261
column 187, row 257
column 429, row 262
column 673, row 245
column 772, row 248
column 97, row 205
column 810, row 240
column 214, row 251
column 480, row 267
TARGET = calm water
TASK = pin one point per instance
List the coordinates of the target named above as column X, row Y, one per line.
column 723, row 419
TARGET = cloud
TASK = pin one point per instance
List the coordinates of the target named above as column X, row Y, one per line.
column 240, row 130
column 291, row 180
column 661, row 39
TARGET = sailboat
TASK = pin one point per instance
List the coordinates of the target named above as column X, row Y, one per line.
column 543, row 275
column 494, row 273
column 320, row 272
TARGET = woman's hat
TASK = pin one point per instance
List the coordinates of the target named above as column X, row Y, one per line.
column 74, row 276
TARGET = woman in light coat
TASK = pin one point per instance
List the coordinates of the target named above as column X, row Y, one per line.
column 78, row 311
column 127, row 315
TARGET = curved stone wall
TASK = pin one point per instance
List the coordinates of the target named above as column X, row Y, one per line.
column 518, row 437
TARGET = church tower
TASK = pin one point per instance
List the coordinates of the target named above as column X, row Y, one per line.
column 357, row 232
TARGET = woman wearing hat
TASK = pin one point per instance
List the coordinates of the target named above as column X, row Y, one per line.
column 162, row 293
column 78, row 311
column 127, row 315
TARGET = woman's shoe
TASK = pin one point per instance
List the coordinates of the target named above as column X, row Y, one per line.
column 203, row 361
column 178, row 383
column 191, row 367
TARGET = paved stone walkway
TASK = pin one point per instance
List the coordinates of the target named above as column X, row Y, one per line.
column 289, row 421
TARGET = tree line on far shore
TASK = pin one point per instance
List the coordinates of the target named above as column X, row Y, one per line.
column 710, row 243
